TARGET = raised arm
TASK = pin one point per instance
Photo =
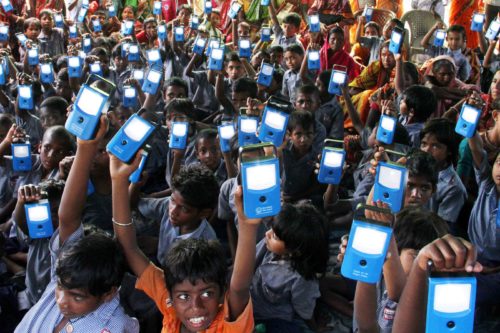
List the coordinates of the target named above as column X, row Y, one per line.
column 425, row 41
column 476, row 148
column 75, row 191
column 489, row 54
column 399, row 80
column 122, row 218
column 351, row 110
column 272, row 13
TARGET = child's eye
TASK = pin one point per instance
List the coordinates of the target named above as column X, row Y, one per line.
column 183, row 297
column 207, row 294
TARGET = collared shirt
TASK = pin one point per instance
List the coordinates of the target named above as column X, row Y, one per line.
column 282, row 40
column 298, row 174
column 45, row 315
column 291, row 81
column 53, row 45
column 201, row 92
column 280, row 292
column 483, row 230
column 413, row 130
column 34, row 176
column 330, row 114
column 169, row 234
column 450, row 195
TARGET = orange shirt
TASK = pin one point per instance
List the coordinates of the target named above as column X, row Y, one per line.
column 152, row 282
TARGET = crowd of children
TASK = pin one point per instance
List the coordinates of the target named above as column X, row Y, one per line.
column 127, row 134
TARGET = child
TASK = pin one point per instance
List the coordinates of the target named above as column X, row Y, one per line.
column 376, row 305
column 439, row 139
column 53, row 112
column 184, row 214
column 149, row 36
column 285, row 286
column 242, row 89
column 417, row 104
column 455, row 38
column 287, row 35
column 31, row 28
column 209, row 154
column 51, row 39
column 375, row 43
column 291, row 80
column 82, row 295
column 299, row 180
column 329, row 113
column 120, row 72
column 189, row 290
column 276, row 53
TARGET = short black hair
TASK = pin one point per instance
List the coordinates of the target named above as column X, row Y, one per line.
column 180, row 105
column 304, row 119
column 374, row 25
column 324, row 77
column 205, row 134
column 422, row 100
column 457, row 28
column 293, row 18
column 53, row 187
column 415, row 227
column 60, row 133
column 82, row 265
column 401, row 135
column 31, row 20
column 444, row 131
column 309, row 89
column 411, row 70
column 336, row 30
column 57, row 103
column 422, row 164
column 99, row 51
column 276, row 48
column 178, row 82
column 295, row 48
column 47, row 12
column 246, row 84
column 304, row 231
column 197, row 185
column 398, row 22
column 6, row 120
column 195, row 259
column 233, row 56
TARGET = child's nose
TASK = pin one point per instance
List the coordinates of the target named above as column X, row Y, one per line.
column 197, row 302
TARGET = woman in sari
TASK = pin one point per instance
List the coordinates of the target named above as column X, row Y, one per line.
column 332, row 53
column 376, row 75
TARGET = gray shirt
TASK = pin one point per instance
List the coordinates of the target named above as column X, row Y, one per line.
column 450, row 195
column 330, row 114
column 53, row 44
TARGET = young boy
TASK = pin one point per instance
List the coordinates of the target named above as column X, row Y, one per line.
column 330, row 113
column 455, row 38
column 209, row 154
column 184, row 214
column 120, row 73
column 51, row 39
column 294, row 55
column 53, row 112
column 189, row 290
column 82, row 295
column 287, row 35
column 31, row 28
column 242, row 89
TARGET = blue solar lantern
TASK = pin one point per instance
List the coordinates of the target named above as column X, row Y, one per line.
column 332, row 162
column 390, row 184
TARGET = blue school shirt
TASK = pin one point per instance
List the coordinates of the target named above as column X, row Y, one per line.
column 282, row 40
column 34, row 176
column 483, row 230
column 298, row 174
column 291, row 81
column 450, row 195
column 158, row 209
column 414, row 130
column 330, row 114
column 45, row 315
column 53, row 45
column 280, row 292
column 201, row 92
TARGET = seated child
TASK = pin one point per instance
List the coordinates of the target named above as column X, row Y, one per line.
column 184, row 214
column 53, row 112
column 242, row 89
column 209, row 154
column 190, row 291
column 374, row 43
column 285, row 285
column 330, row 113
column 291, row 80
column 51, row 39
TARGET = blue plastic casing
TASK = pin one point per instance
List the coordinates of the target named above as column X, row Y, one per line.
column 125, row 47
column 244, row 48
column 477, row 22
column 493, row 29
column 154, row 58
column 366, row 251
column 264, row 2
column 331, row 165
column 5, row 64
column 138, row 74
column 2, row 75
column 136, row 175
column 96, row 24
column 386, row 129
column 313, row 62
column 152, row 81
column 133, row 53
column 226, row 132
column 213, row 43
column 21, row 156
column 207, row 7
column 368, row 13
column 179, row 34
column 439, row 37
column 95, row 68
column 451, row 304
column 25, row 97
column 59, row 21
column 74, row 66
column 81, row 14
column 199, row 45
column 261, row 187
column 157, row 8
column 396, row 41
column 265, row 34
column 127, row 27
column 247, row 129
column 90, row 188
column 234, row 10
column 130, row 138
column 467, row 121
column 265, row 75
column 87, row 109
column 390, row 183
column 179, row 134
column 87, row 44
column 337, row 79
column 314, row 24
column 73, row 32
column 21, row 38
column 273, row 126
column 33, row 58
column 162, row 32
column 111, row 11
column 47, row 73
column 85, row 3
column 39, row 219
column 216, row 59
column 7, row 6
column 4, row 33
column 194, row 22
column 129, row 97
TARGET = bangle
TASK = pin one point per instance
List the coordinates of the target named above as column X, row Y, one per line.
column 122, row 224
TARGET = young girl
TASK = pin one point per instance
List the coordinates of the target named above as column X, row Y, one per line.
column 284, row 287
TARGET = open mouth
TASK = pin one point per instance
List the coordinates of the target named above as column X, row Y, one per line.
column 198, row 322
